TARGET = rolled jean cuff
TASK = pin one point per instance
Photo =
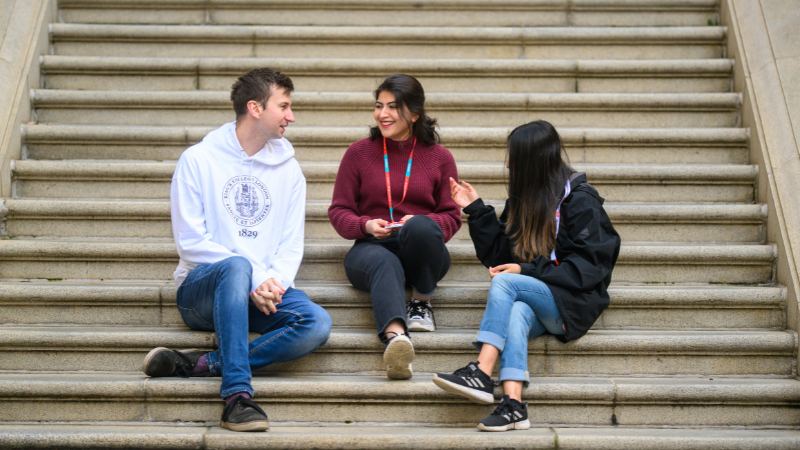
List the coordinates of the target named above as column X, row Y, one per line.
column 213, row 366
column 421, row 294
column 235, row 390
column 512, row 374
column 487, row 337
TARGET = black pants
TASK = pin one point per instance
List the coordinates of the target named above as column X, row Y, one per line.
column 415, row 256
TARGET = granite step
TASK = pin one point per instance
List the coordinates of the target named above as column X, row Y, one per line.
column 456, row 304
column 335, row 109
column 656, row 401
column 357, row 350
column 357, row 75
column 404, row 42
column 155, row 259
column 355, row 437
column 680, row 223
column 583, row 145
column 690, row 183
column 439, row 13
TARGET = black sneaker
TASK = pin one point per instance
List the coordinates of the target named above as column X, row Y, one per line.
column 420, row 316
column 163, row 362
column 469, row 381
column 510, row 415
column 242, row 414
column 397, row 356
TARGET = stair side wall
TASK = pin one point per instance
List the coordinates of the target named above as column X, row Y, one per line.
column 23, row 41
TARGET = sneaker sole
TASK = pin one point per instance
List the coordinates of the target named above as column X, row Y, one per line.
column 398, row 356
column 417, row 325
column 256, row 425
column 152, row 353
column 524, row 425
column 484, row 398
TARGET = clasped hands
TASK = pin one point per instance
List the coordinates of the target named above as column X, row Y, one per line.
column 463, row 196
column 266, row 296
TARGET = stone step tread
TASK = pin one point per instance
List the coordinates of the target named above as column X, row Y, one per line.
column 298, row 135
column 326, row 171
column 358, row 437
column 198, row 34
column 458, row 5
column 448, row 294
column 318, row 210
column 334, row 250
column 316, row 388
column 68, row 98
column 110, row 65
column 348, row 339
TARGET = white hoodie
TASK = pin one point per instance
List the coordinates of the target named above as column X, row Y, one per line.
column 225, row 204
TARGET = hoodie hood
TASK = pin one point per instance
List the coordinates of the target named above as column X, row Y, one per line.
column 274, row 152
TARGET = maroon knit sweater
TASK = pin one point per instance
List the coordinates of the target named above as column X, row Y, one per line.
column 360, row 191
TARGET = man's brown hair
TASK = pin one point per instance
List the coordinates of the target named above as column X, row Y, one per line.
column 257, row 85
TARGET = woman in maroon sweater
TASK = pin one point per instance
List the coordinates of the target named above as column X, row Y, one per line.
column 401, row 242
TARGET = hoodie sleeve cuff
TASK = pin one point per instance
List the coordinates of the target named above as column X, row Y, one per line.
column 474, row 207
column 527, row 269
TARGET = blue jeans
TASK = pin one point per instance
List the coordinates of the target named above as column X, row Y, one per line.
column 519, row 308
column 216, row 297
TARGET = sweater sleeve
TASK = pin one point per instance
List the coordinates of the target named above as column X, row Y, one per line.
column 343, row 211
column 286, row 262
column 488, row 234
column 587, row 257
column 447, row 214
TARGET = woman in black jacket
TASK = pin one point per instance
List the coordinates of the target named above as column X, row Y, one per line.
column 550, row 256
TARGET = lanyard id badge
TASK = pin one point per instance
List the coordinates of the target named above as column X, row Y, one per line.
column 389, row 183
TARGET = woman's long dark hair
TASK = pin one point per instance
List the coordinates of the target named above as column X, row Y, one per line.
column 409, row 99
column 537, row 175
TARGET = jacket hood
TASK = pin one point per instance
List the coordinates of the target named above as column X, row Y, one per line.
column 274, row 152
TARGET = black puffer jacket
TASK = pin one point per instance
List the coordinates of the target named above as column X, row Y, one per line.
column 587, row 247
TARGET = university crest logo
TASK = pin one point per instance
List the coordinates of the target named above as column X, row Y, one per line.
column 247, row 200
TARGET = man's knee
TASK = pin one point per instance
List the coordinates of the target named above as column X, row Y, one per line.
column 316, row 324
column 237, row 265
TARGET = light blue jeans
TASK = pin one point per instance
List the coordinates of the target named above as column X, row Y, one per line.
column 519, row 308
column 216, row 297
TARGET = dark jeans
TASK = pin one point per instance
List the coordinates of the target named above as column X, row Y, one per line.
column 216, row 297
column 415, row 256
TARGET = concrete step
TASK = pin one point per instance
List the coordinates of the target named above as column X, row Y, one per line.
column 456, row 304
column 332, row 109
column 353, row 437
column 587, row 145
column 691, row 183
column 406, row 42
column 347, row 437
column 88, row 397
column 357, row 75
column 151, row 218
column 357, row 350
column 156, row 259
column 438, row 13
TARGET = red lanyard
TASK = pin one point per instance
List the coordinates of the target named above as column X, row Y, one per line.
column 389, row 183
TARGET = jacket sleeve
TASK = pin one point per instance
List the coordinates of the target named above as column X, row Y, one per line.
column 286, row 261
column 488, row 234
column 587, row 253
column 343, row 212
column 192, row 240
column 447, row 214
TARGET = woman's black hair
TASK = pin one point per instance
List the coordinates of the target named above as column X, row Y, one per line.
column 409, row 99
column 537, row 175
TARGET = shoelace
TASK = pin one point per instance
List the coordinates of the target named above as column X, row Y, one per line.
column 418, row 309
column 246, row 403
column 504, row 408
column 466, row 371
column 183, row 368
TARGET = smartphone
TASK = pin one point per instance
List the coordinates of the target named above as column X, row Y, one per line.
column 394, row 225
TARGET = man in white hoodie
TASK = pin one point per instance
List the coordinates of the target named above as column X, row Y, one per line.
column 238, row 215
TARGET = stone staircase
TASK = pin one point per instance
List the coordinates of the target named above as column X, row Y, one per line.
column 693, row 352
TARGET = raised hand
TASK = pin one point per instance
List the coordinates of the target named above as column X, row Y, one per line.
column 462, row 195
